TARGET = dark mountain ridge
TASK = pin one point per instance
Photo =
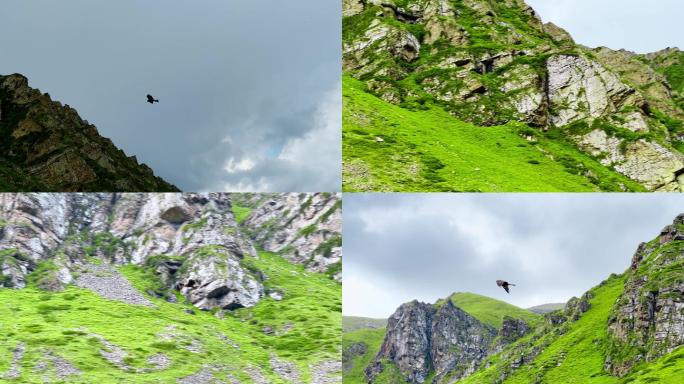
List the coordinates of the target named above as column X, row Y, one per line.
column 46, row 146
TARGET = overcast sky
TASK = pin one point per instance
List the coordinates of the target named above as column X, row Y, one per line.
column 400, row 247
column 636, row 25
column 249, row 91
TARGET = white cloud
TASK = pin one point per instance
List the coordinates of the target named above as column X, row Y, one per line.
column 629, row 24
column 248, row 186
column 243, row 165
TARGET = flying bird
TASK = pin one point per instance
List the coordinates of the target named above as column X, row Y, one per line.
column 151, row 99
column 504, row 284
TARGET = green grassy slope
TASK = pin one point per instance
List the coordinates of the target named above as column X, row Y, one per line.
column 577, row 354
column 306, row 323
column 491, row 311
column 353, row 323
column 429, row 150
column 573, row 357
column 372, row 338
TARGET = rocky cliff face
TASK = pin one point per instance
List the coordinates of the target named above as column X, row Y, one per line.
column 424, row 339
column 490, row 63
column 46, row 146
column 648, row 319
column 304, row 228
column 192, row 242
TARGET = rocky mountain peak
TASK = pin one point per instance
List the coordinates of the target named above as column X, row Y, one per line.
column 47, row 146
column 191, row 242
column 440, row 339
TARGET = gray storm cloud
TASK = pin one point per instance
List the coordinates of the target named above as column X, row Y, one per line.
column 553, row 246
column 246, row 88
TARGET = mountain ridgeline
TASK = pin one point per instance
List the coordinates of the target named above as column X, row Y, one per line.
column 629, row 328
column 46, row 146
column 482, row 95
column 187, row 288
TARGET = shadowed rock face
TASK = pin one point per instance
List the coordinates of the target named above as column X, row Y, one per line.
column 191, row 241
column 46, row 146
column 407, row 341
column 492, row 62
column 422, row 338
column 512, row 330
column 648, row 319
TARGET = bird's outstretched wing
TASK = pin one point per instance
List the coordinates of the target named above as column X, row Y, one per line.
column 150, row 98
column 506, row 288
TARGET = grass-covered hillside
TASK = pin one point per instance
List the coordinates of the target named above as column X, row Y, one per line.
column 491, row 311
column 574, row 356
column 577, row 353
column 478, row 95
column 106, row 341
column 390, row 148
column 180, row 294
column 359, row 348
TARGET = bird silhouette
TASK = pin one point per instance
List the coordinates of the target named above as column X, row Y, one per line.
column 151, row 99
column 504, row 285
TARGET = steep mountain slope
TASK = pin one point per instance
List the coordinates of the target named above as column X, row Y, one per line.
column 438, row 341
column 303, row 228
column 629, row 328
column 359, row 348
column 156, row 288
column 46, row 146
column 429, row 150
column 491, row 311
column 527, row 90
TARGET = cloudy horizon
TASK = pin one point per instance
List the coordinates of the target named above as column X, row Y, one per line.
column 249, row 98
column 401, row 247
column 617, row 24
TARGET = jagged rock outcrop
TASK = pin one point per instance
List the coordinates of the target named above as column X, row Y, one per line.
column 575, row 308
column 511, row 330
column 490, row 63
column 579, row 89
column 46, row 146
column 407, row 342
column 304, row 228
column 648, row 319
column 191, row 241
column 459, row 342
column 423, row 338
column 349, row 353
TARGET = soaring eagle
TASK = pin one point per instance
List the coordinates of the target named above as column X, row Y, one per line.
column 504, row 284
column 151, row 99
